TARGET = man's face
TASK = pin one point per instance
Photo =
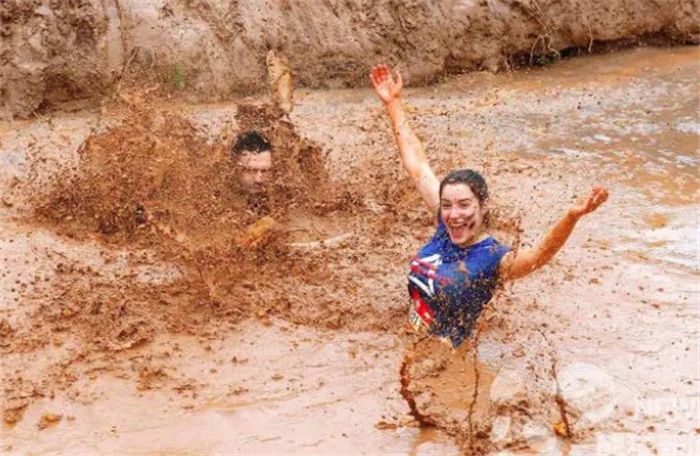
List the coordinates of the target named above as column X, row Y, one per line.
column 254, row 171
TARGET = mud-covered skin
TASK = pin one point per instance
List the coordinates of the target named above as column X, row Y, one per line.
column 54, row 53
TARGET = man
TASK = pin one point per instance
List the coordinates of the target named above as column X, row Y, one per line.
column 252, row 155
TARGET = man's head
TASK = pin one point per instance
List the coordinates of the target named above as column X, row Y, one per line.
column 464, row 205
column 252, row 154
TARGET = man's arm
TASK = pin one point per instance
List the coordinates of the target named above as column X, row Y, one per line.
column 517, row 265
column 257, row 233
column 411, row 151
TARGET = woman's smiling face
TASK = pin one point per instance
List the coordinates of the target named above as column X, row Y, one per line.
column 462, row 213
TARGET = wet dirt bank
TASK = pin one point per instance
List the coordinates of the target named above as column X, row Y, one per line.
column 610, row 327
column 58, row 54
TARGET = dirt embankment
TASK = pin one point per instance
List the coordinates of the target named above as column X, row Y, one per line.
column 55, row 52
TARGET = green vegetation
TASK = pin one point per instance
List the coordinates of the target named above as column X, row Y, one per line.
column 177, row 78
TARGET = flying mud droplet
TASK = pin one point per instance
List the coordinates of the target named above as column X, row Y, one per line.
column 49, row 419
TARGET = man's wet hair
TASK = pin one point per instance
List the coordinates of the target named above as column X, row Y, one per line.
column 469, row 177
column 250, row 141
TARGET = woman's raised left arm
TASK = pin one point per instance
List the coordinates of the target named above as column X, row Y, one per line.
column 524, row 261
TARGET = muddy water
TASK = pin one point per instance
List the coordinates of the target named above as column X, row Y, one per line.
column 267, row 390
column 616, row 313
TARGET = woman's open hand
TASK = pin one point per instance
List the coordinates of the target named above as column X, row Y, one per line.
column 387, row 86
column 598, row 196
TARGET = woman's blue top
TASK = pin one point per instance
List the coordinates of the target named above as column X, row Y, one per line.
column 449, row 285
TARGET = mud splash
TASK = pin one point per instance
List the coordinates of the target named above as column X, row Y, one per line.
column 154, row 175
column 151, row 185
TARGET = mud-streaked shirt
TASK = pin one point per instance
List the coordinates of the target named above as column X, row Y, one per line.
column 449, row 285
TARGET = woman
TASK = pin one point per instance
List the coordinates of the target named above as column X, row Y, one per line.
column 455, row 274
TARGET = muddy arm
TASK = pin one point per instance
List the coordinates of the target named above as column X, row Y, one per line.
column 524, row 261
column 411, row 150
column 258, row 233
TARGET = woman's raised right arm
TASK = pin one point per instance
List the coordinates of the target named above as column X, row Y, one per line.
column 413, row 158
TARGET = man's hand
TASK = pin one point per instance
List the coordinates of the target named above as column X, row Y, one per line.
column 598, row 196
column 258, row 233
column 387, row 86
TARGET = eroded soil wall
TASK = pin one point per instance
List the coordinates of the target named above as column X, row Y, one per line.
column 56, row 52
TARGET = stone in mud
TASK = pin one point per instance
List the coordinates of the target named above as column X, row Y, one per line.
column 589, row 392
column 507, row 388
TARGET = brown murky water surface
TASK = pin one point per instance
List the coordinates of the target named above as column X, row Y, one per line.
column 142, row 343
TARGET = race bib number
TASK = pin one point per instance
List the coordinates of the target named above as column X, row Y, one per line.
column 420, row 315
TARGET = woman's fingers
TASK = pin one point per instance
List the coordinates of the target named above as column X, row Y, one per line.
column 586, row 205
column 598, row 197
column 376, row 77
column 600, row 194
column 375, row 74
column 380, row 73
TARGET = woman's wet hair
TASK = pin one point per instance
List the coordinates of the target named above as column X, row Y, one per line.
column 469, row 177
column 250, row 141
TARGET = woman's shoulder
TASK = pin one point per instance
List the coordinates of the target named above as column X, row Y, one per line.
column 490, row 243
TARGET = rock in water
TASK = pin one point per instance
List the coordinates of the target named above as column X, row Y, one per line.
column 279, row 75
